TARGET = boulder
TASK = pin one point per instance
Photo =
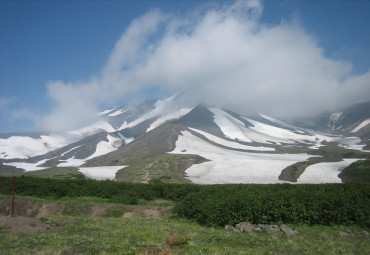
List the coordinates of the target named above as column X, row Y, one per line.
column 270, row 228
column 342, row 234
column 246, row 227
column 287, row 230
column 365, row 233
column 231, row 228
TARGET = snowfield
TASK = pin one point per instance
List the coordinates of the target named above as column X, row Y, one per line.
column 230, row 144
column 101, row 172
column 116, row 113
column 24, row 146
column 326, row 172
column 228, row 166
column 230, row 126
column 362, row 124
column 28, row 166
column 104, row 147
column 93, row 128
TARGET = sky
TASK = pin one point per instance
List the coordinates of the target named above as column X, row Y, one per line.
column 63, row 61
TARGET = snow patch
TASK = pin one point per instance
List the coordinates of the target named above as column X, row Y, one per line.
column 94, row 128
column 106, row 111
column 170, row 116
column 230, row 144
column 362, row 125
column 64, row 153
column 334, row 119
column 101, row 172
column 230, row 126
column 116, row 113
column 125, row 139
column 226, row 166
column 28, row 166
column 104, row 147
column 326, row 172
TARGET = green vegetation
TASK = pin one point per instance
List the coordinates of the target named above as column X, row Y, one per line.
column 57, row 173
column 356, row 172
column 164, row 167
column 73, row 223
column 72, row 235
column 293, row 172
column 218, row 205
column 329, row 153
column 326, row 204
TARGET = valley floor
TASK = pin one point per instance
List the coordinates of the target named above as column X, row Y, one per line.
column 114, row 231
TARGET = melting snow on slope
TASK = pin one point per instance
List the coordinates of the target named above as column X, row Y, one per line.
column 363, row 124
column 230, row 126
column 116, row 113
column 24, row 146
column 64, row 153
column 94, row 128
column 228, row 166
column 230, row 144
column 28, row 166
column 169, row 116
column 125, row 139
column 106, row 111
column 326, row 172
column 104, row 147
column 101, row 172
column 264, row 133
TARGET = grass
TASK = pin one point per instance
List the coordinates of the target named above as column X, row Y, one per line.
column 164, row 168
column 293, row 172
column 57, row 173
column 175, row 236
column 356, row 172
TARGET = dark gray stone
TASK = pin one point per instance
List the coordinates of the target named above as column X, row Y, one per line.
column 342, row 234
column 270, row 228
column 287, row 230
column 365, row 233
column 246, row 227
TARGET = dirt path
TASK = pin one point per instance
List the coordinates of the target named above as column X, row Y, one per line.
column 146, row 177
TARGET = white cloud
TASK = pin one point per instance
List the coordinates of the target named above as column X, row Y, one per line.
column 224, row 55
column 5, row 102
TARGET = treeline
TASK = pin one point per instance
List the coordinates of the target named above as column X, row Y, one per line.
column 324, row 204
column 218, row 205
column 120, row 192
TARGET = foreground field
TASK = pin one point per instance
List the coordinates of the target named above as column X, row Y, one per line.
column 98, row 227
column 101, row 235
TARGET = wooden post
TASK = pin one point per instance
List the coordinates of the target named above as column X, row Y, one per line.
column 13, row 196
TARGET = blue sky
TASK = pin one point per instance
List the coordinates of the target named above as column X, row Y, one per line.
column 42, row 42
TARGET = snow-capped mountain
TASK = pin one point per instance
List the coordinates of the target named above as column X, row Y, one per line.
column 185, row 142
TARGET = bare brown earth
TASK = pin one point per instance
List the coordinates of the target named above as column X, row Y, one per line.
column 32, row 208
column 27, row 225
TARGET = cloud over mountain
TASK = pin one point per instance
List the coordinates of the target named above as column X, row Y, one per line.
column 221, row 55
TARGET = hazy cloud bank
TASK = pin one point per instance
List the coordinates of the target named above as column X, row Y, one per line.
column 224, row 55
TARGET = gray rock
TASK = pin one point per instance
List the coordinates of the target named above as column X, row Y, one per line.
column 258, row 229
column 246, row 227
column 342, row 234
column 287, row 230
column 365, row 233
column 229, row 228
column 270, row 228
column 236, row 230
column 348, row 230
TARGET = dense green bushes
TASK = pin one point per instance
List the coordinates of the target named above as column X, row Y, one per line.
column 282, row 203
column 221, row 204
column 116, row 191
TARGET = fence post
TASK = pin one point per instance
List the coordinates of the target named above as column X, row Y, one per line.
column 13, row 196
